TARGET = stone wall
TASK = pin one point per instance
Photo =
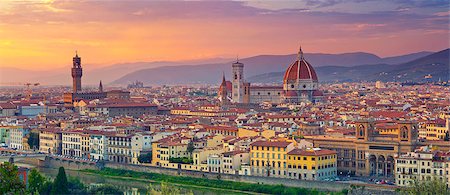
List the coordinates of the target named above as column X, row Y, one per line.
column 320, row 185
column 70, row 164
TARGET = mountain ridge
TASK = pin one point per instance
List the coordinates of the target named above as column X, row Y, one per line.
column 255, row 65
column 436, row 64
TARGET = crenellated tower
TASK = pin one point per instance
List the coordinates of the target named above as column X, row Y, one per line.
column 77, row 73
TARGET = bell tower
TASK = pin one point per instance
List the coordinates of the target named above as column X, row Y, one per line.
column 238, row 82
column 223, row 93
column 77, row 73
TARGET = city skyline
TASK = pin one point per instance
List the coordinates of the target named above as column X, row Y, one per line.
column 42, row 35
column 225, row 97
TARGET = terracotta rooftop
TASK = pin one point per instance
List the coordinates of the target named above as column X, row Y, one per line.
column 312, row 152
column 271, row 144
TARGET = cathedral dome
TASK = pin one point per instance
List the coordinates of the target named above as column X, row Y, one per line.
column 301, row 70
column 290, row 94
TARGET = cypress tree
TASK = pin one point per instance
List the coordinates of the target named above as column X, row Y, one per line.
column 60, row 185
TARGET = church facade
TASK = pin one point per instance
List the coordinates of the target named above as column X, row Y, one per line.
column 300, row 84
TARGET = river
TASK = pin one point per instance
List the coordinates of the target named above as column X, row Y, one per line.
column 131, row 187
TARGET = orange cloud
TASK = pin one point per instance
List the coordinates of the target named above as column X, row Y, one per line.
column 45, row 34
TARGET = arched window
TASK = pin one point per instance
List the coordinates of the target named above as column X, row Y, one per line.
column 361, row 130
column 404, row 131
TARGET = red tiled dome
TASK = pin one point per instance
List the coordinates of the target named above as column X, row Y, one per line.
column 306, row 71
column 290, row 94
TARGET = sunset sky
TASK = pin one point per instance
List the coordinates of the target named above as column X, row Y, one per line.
column 45, row 34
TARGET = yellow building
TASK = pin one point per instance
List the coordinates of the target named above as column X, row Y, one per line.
column 387, row 128
column 164, row 149
column 436, row 130
column 156, row 156
column 312, row 164
column 254, row 132
column 50, row 141
column 216, row 140
column 269, row 158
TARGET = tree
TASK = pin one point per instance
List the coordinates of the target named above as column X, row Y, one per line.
column 431, row 187
column 182, row 160
column 190, row 148
column 145, row 158
column 36, row 182
column 76, row 186
column 10, row 183
column 106, row 189
column 60, row 185
column 165, row 189
column 33, row 140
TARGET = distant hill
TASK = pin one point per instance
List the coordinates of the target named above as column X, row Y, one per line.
column 257, row 65
column 91, row 76
column 436, row 64
column 194, row 71
column 404, row 58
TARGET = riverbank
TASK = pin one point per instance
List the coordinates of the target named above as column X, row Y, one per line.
column 133, row 185
column 320, row 186
column 221, row 191
column 213, row 184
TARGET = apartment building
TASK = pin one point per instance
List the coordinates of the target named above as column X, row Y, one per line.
column 98, row 146
column 424, row 164
column 119, row 148
column 50, row 141
column 269, row 158
column 71, row 143
column 312, row 164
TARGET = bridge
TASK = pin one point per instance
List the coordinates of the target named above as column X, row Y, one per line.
column 10, row 155
column 8, row 151
column 21, row 158
column 71, row 159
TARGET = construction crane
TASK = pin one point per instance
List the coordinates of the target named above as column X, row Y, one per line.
column 29, row 92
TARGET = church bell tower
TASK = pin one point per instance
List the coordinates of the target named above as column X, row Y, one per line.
column 238, row 82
